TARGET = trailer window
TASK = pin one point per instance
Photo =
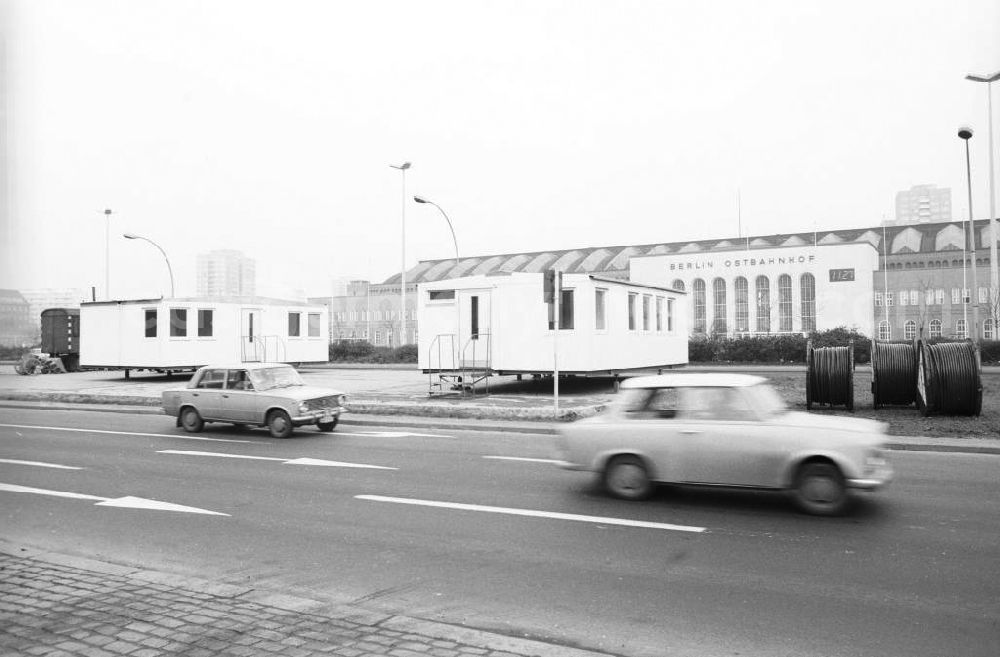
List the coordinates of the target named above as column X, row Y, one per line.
column 178, row 322
column 566, row 312
column 631, row 310
column 659, row 314
column 151, row 323
column 645, row 311
column 313, row 325
column 440, row 295
column 600, row 300
column 204, row 323
column 294, row 328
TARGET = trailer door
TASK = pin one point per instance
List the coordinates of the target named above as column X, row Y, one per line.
column 474, row 332
column 251, row 340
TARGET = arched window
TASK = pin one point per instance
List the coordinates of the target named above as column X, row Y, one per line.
column 700, row 323
column 884, row 332
column 763, row 304
column 742, row 289
column 678, row 285
column 910, row 329
column 960, row 330
column 988, row 331
column 807, row 288
column 935, row 328
column 784, row 302
column 719, row 306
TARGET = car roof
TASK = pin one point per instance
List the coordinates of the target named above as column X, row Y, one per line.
column 693, row 379
column 243, row 366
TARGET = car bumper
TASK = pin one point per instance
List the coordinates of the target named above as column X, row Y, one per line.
column 315, row 417
column 873, row 481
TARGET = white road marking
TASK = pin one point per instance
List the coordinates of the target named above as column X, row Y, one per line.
column 299, row 461
column 127, row 502
column 40, row 464
column 126, row 433
column 522, row 458
column 533, row 514
column 389, row 434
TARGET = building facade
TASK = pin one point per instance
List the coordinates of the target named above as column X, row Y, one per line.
column 923, row 204
column 785, row 283
column 16, row 327
column 225, row 273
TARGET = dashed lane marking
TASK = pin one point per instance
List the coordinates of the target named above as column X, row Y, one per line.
column 599, row 520
column 523, row 458
column 126, row 433
column 40, row 464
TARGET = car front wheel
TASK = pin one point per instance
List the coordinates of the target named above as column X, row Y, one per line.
column 279, row 424
column 820, row 489
column 191, row 420
column 626, row 477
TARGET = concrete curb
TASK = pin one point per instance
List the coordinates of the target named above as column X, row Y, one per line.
column 294, row 603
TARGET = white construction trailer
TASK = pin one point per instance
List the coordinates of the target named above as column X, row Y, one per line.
column 499, row 324
column 180, row 334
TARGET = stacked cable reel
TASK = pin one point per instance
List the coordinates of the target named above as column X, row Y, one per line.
column 949, row 379
column 894, row 373
column 830, row 376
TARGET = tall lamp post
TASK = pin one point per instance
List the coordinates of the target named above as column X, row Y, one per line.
column 420, row 199
column 130, row 236
column 965, row 134
column 402, row 279
column 994, row 299
column 107, row 253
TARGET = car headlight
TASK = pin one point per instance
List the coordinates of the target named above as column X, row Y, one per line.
column 875, row 459
column 303, row 407
column 341, row 399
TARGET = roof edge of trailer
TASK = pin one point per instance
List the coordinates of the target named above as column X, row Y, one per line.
column 606, row 279
column 234, row 300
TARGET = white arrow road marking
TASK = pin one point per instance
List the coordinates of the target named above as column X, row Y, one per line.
column 126, row 433
column 40, row 464
column 389, row 434
column 127, row 502
column 533, row 514
column 301, row 461
column 522, row 458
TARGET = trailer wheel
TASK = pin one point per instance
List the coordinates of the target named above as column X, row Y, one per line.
column 191, row 420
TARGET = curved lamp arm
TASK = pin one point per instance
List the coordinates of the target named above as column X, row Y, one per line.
column 170, row 271
column 420, row 199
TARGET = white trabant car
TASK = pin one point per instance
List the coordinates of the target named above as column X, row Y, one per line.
column 253, row 394
column 725, row 430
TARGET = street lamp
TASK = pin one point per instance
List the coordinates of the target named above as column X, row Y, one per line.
column 130, row 236
column 965, row 134
column 402, row 279
column 994, row 275
column 420, row 199
column 107, row 253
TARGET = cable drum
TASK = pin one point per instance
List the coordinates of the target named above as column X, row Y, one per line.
column 830, row 376
column 949, row 379
column 894, row 373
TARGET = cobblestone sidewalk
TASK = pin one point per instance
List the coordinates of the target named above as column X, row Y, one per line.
column 92, row 609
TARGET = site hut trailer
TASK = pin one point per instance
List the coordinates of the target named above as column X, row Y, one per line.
column 502, row 322
column 183, row 334
column 761, row 291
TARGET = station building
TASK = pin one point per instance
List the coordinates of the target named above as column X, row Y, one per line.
column 890, row 282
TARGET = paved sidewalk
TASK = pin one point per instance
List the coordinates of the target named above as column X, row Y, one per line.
column 55, row 605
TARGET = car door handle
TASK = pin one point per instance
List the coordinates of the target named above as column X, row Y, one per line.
column 225, row 396
column 194, row 394
column 688, row 432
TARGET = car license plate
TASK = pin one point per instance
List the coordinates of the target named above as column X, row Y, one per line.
column 327, row 417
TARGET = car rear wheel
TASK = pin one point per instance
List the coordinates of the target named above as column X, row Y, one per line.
column 820, row 489
column 279, row 424
column 326, row 426
column 626, row 477
column 191, row 420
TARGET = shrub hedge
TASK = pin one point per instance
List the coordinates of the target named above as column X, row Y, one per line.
column 359, row 351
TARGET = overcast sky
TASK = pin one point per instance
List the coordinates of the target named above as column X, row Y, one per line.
column 270, row 126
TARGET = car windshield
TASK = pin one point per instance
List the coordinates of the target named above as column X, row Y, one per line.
column 766, row 399
column 270, row 378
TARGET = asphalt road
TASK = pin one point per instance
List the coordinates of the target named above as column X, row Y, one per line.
column 913, row 570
